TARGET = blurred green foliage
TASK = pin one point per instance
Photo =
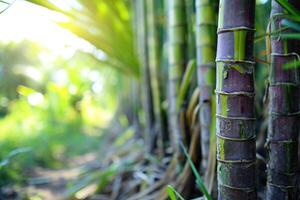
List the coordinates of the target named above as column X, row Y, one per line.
column 54, row 111
column 107, row 24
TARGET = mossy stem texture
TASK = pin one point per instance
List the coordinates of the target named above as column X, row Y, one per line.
column 235, row 118
column 284, row 110
column 206, row 42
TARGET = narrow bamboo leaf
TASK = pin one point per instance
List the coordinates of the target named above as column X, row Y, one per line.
column 192, row 104
column 101, row 178
column 12, row 154
column 289, row 7
column 199, row 180
column 112, row 33
column 292, row 65
column 5, row 2
column 290, row 35
column 8, row 5
column 274, row 33
column 173, row 193
column 291, row 24
column 84, row 182
column 47, row 4
column 190, row 70
column 125, row 136
column 293, row 18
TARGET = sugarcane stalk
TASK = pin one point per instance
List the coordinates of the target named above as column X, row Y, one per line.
column 154, row 64
column 143, row 55
column 206, row 27
column 191, row 48
column 235, row 118
column 176, row 61
column 284, row 110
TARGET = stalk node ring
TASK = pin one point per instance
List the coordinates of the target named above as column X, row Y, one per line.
column 250, row 94
column 236, row 139
column 236, row 118
column 240, row 28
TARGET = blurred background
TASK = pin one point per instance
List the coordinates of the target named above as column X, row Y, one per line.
column 57, row 93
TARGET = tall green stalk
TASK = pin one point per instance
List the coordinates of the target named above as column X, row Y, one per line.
column 284, row 110
column 176, row 61
column 191, row 48
column 235, row 118
column 206, row 42
column 154, row 64
column 143, row 55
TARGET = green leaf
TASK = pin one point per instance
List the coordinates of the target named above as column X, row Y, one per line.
column 288, row 7
column 47, row 4
column 290, row 35
column 292, row 65
column 104, row 24
column 199, row 180
column 173, row 193
column 291, row 24
column 7, row 160
column 100, row 177
column 8, row 5
column 188, row 75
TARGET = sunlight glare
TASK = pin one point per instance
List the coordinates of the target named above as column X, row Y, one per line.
column 25, row 21
column 35, row 98
column 263, row 1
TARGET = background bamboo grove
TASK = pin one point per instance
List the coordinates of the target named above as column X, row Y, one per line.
column 207, row 100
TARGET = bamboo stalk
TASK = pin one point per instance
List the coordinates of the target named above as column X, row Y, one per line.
column 284, row 111
column 143, row 55
column 206, row 27
column 235, row 122
column 154, row 64
column 176, row 62
column 190, row 10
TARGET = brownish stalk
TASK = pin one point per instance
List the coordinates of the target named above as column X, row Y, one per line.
column 235, row 122
column 284, row 110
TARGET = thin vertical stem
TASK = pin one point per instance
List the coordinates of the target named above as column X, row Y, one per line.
column 176, row 61
column 206, row 27
column 154, row 64
column 143, row 55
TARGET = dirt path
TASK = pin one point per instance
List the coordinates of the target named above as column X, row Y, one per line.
column 47, row 184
